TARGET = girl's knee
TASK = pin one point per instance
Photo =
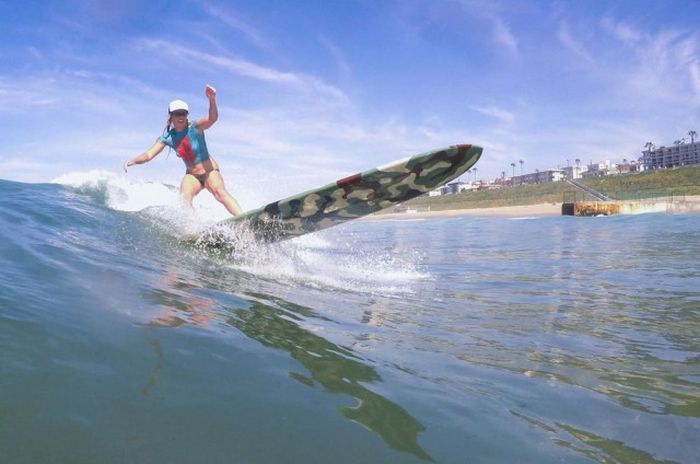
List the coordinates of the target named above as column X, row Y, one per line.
column 220, row 193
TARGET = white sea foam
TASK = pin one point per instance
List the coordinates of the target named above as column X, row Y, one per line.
column 316, row 262
column 120, row 193
column 311, row 260
column 127, row 194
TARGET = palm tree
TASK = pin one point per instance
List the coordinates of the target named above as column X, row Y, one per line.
column 649, row 146
column 677, row 142
column 513, row 166
column 692, row 135
column 521, row 166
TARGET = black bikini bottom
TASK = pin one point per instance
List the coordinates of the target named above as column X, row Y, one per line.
column 201, row 177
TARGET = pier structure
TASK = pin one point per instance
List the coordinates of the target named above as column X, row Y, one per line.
column 594, row 193
column 603, row 205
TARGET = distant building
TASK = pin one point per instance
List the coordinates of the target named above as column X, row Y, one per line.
column 452, row 188
column 574, row 172
column 494, row 184
column 683, row 154
column 500, row 182
column 598, row 170
column 627, row 167
column 458, row 187
column 538, row 177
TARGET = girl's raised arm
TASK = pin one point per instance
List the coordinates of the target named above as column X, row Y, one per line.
column 207, row 122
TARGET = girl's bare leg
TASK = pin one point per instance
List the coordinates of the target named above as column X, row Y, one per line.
column 189, row 188
column 215, row 184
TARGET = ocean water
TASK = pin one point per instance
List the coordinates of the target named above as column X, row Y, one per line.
column 457, row 340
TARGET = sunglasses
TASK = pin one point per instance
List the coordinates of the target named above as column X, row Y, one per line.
column 179, row 113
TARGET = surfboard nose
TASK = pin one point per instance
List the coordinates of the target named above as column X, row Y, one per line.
column 478, row 150
column 475, row 150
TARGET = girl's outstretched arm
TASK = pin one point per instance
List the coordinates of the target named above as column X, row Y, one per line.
column 146, row 156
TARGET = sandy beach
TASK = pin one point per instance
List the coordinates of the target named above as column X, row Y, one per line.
column 538, row 210
column 688, row 204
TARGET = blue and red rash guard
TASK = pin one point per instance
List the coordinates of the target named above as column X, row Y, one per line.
column 189, row 144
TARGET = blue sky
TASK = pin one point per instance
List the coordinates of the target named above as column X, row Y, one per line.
column 313, row 90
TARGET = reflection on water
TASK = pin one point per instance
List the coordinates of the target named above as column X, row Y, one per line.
column 592, row 446
column 155, row 372
column 335, row 367
column 276, row 324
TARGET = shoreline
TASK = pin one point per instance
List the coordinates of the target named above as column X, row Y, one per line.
column 689, row 204
column 537, row 210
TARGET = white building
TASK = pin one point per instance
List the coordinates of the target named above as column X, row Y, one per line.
column 458, row 187
column 598, row 170
column 574, row 172
column 628, row 166
column 538, row 177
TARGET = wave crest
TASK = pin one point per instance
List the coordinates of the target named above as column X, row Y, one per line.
column 119, row 193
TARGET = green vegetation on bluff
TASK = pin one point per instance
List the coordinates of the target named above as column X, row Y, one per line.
column 670, row 182
column 677, row 182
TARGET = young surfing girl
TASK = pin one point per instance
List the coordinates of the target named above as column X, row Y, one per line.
column 187, row 139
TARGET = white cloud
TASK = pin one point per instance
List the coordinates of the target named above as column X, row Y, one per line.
column 25, row 169
column 622, row 31
column 245, row 68
column 504, row 36
column 695, row 76
column 495, row 112
column 33, row 51
column 572, row 44
column 665, row 70
column 16, row 97
column 226, row 16
column 493, row 12
column 341, row 62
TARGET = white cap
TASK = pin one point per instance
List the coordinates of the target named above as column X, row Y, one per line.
column 178, row 105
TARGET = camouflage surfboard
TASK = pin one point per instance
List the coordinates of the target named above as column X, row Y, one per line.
column 358, row 195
